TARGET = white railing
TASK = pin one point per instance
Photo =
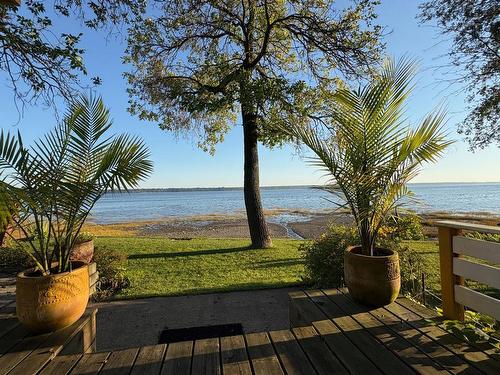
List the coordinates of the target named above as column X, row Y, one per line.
column 455, row 269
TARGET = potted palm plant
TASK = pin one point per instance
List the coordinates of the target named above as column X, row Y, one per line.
column 371, row 155
column 55, row 184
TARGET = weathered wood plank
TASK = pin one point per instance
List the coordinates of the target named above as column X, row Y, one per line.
column 206, row 358
column 477, row 301
column 468, row 226
column 480, row 249
column 178, row 358
column 302, row 311
column 438, row 353
column 290, row 353
column 323, row 360
column 14, row 337
column 234, row 356
column 262, row 355
column 90, row 364
column 19, row 352
column 350, row 356
column 471, row 355
column 61, row 365
column 50, row 345
column 479, row 272
column 149, row 360
column 381, row 356
column 404, row 349
column 451, row 309
column 119, row 362
column 426, row 313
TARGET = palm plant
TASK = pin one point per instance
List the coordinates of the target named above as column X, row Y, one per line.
column 56, row 182
column 369, row 152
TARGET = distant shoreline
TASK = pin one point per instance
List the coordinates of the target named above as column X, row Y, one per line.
column 238, row 188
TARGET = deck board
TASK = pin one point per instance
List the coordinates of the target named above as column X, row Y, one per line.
column 290, row 353
column 262, row 356
column 472, row 356
column 323, row 360
column 206, row 357
column 234, row 356
column 178, row 358
column 149, row 360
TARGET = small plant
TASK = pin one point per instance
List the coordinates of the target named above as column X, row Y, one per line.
column 110, row 265
column 324, row 257
column 477, row 328
column 403, row 227
column 56, row 182
column 369, row 152
column 84, row 237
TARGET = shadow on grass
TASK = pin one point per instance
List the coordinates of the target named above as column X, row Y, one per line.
column 189, row 253
column 279, row 263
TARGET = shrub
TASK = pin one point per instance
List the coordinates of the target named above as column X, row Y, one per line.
column 324, row 257
column 15, row 259
column 484, row 236
column 110, row 264
column 403, row 227
column 84, row 237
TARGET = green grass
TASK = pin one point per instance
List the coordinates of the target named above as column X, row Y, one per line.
column 161, row 266
column 429, row 250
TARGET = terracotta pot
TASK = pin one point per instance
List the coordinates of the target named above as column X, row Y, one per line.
column 372, row 280
column 83, row 251
column 49, row 303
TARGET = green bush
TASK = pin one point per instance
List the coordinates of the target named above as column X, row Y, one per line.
column 324, row 257
column 484, row 236
column 84, row 237
column 15, row 259
column 403, row 227
column 110, row 265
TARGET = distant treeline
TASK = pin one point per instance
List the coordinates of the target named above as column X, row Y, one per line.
column 155, row 190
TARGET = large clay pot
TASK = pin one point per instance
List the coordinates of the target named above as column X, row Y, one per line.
column 83, row 251
column 49, row 303
column 372, row 280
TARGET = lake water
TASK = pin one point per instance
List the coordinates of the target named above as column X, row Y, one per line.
column 153, row 205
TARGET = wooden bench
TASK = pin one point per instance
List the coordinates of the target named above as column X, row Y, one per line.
column 25, row 353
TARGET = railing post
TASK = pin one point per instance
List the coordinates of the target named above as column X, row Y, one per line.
column 451, row 309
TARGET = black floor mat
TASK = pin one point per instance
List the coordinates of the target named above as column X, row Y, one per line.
column 197, row 333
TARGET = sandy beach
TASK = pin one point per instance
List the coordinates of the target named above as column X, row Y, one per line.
column 307, row 225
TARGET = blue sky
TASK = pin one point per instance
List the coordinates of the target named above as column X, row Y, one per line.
column 179, row 163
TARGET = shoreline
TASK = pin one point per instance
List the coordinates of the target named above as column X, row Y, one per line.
column 295, row 224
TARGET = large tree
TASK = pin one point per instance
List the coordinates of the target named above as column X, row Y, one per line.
column 474, row 27
column 205, row 65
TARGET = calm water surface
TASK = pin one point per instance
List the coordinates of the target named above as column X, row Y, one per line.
column 152, row 205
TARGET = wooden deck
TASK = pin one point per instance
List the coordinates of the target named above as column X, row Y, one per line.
column 330, row 334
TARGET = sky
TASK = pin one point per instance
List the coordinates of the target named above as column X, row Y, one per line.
column 179, row 163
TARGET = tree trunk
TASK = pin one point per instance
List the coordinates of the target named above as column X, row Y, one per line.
column 259, row 231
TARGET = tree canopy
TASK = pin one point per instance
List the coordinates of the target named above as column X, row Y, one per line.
column 474, row 26
column 39, row 64
column 190, row 59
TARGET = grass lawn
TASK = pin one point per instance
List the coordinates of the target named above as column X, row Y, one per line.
column 430, row 253
column 161, row 266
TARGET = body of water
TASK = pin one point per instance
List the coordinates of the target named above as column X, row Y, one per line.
column 158, row 204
